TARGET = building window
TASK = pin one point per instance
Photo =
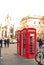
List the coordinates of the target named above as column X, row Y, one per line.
column 39, row 22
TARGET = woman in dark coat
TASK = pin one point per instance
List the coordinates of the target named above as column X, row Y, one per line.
column 5, row 42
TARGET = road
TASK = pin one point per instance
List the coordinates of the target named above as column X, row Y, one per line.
column 10, row 57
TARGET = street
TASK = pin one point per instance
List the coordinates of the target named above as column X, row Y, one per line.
column 10, row 57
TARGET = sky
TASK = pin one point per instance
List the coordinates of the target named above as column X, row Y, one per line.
column 18, row 9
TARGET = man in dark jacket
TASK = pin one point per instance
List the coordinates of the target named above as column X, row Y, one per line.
column 5, row 42
column 40, row 43
column 0, row 42
column 8, row 42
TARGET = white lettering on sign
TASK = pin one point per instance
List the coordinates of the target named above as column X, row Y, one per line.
column 31, row 30
column 31, row 34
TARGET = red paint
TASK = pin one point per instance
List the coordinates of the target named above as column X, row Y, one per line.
column 19, row 42
column 27, row 42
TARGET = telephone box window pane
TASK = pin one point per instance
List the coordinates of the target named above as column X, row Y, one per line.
column 24, row 43
column 31, row 43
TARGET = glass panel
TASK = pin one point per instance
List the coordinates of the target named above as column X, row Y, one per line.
column 24, row 43
column 31, row 43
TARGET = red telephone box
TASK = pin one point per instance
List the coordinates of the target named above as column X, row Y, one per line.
column 19, row 42
column 28, row 42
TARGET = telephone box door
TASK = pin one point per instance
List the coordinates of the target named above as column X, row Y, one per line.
column 23, row 42
column 32, row 44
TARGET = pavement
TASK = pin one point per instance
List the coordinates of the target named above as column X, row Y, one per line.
column 10, row 57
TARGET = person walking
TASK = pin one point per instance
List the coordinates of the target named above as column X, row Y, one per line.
column 40, row 43
column 1, row 42
column 5, row 42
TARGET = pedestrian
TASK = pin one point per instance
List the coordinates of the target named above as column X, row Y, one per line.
column 5, row 42
column 1, row 42
column 40, row 43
